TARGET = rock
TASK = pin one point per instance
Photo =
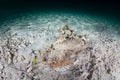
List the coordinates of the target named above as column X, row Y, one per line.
column 29, row 69
column 1, row 66
column 9, row 61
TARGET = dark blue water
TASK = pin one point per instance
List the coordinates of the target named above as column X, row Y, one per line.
column 9, row 13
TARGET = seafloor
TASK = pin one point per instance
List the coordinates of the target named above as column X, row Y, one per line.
column 52, row 46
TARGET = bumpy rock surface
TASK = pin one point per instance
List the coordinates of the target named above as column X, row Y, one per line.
column 70, row 57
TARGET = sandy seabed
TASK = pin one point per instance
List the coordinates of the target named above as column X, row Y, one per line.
column 43, row 48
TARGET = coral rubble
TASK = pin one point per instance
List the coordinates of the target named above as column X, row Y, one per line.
column 70, row 57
